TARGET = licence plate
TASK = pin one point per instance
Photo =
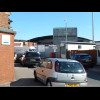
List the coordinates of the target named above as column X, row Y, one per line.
column 32, row 60
column 72, row 85
column 88, row 60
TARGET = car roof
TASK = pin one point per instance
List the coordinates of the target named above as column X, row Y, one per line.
column 32, row 51
column 19, row 53
column 81, row 54
column 61, row 60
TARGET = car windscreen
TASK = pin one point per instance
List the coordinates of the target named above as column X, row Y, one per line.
column 70, row 67
column 32, row 54
column 19, row 55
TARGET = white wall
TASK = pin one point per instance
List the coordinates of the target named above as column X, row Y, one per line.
column 98, row 57
column 18, row 44
column 83, row 47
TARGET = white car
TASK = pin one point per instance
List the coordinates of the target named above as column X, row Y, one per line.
column 61, row 72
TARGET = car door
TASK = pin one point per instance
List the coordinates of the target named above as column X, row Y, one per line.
column 48, row 70
column 41, row 69
column 38, row 72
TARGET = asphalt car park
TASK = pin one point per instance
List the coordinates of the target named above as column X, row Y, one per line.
column 24, row 77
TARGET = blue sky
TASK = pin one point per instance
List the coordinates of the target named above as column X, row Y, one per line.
column 35, row 24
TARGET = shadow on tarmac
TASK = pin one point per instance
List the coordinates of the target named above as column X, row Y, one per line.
column 93, row 75
column 26, row 82
column 17, row 65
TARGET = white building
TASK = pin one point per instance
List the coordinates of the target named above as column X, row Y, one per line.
column 18, row 44
column 75, row 46
column 81, row 46
column 98, row 52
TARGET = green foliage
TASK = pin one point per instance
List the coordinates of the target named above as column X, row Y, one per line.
column 16, row 40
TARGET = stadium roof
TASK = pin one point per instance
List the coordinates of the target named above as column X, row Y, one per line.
column 48, row 37
column 40, row 38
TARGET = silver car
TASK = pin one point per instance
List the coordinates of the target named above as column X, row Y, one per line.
column 61, row 72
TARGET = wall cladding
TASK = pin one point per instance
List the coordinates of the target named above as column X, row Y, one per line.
column 59, row 34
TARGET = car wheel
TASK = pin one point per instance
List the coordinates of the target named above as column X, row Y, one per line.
column 23, row 64
column 49, row 84
column 92, row 66
column 35, row 76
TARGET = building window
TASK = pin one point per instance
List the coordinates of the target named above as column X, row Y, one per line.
column 79, row 47
column 94, row 47
column 99, row 53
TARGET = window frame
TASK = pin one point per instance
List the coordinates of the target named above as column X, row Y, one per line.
column 49, row 65
column 44, row 66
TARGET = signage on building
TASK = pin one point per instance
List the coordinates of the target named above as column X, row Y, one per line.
column 5, row 40
column 18, row 44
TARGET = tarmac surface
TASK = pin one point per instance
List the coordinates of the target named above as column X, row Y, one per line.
column 24, row 77
column 95, row 68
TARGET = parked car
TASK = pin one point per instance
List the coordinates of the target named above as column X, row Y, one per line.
column 30, row 58
column 17, row 57
column 85, row 59
column 61, row 72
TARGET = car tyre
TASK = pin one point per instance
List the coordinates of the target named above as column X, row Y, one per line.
column 92, row 66
column 49, row 84
column 23, row 64
column 35, row 76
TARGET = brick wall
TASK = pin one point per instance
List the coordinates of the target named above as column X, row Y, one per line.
column 93, row 53
column 4, row 19
column 28, row 44
column 7, row 60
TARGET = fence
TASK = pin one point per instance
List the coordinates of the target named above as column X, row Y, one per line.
column 46, row 50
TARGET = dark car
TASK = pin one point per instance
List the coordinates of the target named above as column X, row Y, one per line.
column 85, row 59
column 18, row 57
column 31, row 58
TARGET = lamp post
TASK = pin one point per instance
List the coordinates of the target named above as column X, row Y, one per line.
column 93, row 25
column 66, row 28
column 66, row 39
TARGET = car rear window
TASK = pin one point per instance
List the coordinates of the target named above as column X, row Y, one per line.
column 19, row 55
column 32, row 54
column 70, row 67
column 84, row 56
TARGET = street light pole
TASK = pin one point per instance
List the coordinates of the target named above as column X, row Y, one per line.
column 66, row 28
column 93, row 25
column 66, row 38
